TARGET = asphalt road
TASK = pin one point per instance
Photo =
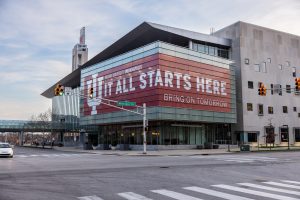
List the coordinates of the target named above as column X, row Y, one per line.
column 37, row 174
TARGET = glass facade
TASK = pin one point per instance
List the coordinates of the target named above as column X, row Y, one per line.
column 212, row 50
column 171, row 122
column 66, row 108
column 165, row 133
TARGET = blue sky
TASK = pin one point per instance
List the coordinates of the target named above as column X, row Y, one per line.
column 37, row 36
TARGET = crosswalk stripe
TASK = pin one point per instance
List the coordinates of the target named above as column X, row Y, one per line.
column 240, row 161
column 248, row 159
column 295, row 182
column 132, row 196
column 22, row 156
column 175, row 195
column 283, row 185
column 216, row 193
column 90, row 198
column 270, row 188
column 254, row 192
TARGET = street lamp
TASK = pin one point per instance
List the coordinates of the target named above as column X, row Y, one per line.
column 288, row 135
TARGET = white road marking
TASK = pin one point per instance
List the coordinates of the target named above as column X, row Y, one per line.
column 254, row 192
column 240, row 161
column 175, row 195
column 295, row 182
column 90, row 198
column 216, row 193
column 270, row 188
column 283, row 185
column 22, row 156
column 132, row 196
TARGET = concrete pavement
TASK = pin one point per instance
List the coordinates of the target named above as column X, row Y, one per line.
column 186, row 152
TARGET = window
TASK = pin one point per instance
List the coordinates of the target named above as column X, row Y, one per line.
column 252, row 137
column 257, row 67
column 264, row 67
column 260, row 109
column 280, row 90
column 284, row 109
column 250, row 84
column 295, row 109
column 272, row 90
column 280, row 66
column 297, row 134
column 284, row 134
column 270, row 110
column 288, row 88
column 294, row 71
column 269, row 60
column 249, row 107
column 247, row 61
column 287, row 63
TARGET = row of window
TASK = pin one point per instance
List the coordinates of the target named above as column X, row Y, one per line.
column 274, row 88
column 252, row 137
column 263, row 66
column 270, row 109
column 210, row 50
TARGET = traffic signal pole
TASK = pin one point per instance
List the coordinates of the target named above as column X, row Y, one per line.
column 144, row 128
column 114, row 104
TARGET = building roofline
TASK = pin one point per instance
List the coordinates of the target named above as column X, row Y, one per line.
column 143, row 34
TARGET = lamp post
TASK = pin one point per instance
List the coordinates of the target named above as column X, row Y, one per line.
column 288, row 135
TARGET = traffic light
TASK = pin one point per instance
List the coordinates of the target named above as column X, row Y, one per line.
column 59, row 90
column 91, row 92
column 262, row 90
column 146, row 128
column 297, row 83
column 56, row 91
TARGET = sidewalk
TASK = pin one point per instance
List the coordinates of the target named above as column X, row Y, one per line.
column 187, row 152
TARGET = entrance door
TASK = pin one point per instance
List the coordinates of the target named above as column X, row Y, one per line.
column 284, row 134
column 270, row 135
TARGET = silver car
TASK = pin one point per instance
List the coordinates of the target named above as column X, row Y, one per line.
column 6, row 150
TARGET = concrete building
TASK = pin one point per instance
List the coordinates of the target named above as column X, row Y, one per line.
column 80, row 51
column 271, row 57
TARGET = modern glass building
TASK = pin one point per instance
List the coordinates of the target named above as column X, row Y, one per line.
column 186, row 79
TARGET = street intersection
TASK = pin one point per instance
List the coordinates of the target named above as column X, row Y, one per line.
column 51, row 174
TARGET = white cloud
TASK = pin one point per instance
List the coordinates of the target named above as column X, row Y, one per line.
column 22, row 110
column 37, row 37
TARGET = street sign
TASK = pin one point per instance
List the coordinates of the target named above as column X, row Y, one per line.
column 126, row 103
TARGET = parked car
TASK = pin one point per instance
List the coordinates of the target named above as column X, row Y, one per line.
column 6, row 150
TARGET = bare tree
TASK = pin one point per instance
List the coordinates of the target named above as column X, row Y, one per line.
column 43, row 122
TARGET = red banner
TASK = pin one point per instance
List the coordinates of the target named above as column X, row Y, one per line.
column 160, row 80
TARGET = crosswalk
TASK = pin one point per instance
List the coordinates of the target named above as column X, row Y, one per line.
column 240, row 159
column 280, row 190
column 64, row 155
